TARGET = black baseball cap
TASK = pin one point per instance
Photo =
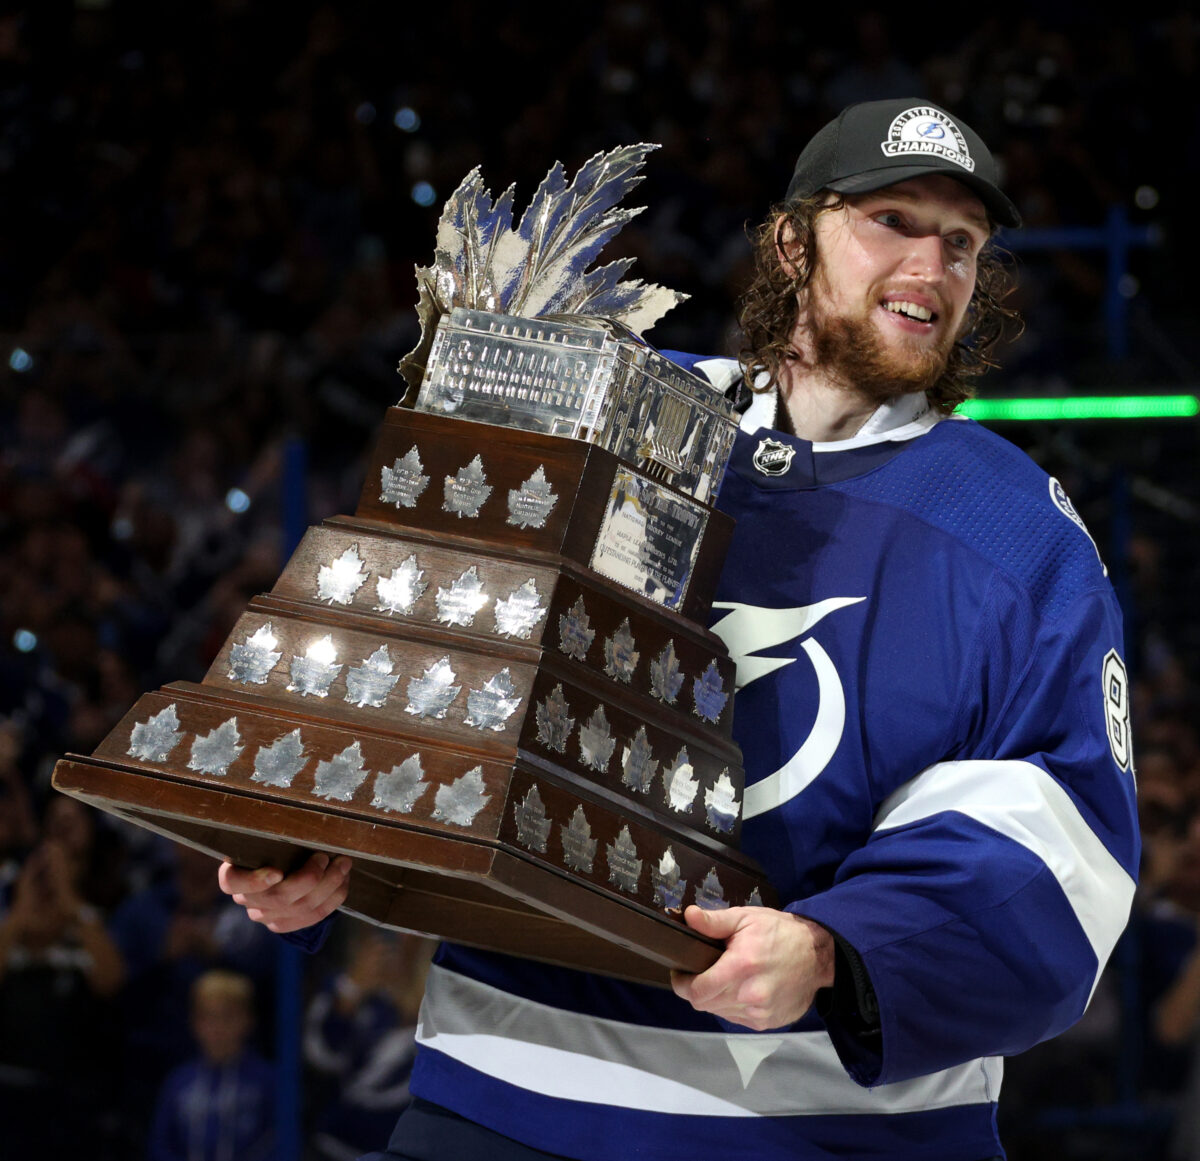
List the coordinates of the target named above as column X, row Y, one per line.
column 879, row 143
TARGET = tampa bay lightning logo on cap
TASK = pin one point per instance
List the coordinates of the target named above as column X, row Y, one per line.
column 773, row 457
column 926, row 131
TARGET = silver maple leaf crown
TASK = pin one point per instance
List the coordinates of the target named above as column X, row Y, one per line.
column 541, row 267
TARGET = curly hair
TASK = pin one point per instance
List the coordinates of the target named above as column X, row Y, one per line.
column 770, row 306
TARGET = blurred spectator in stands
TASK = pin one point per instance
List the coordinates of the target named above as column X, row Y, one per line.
column 169, row 936
column 359, row 1038
column 219, row 1106
column 59, row 971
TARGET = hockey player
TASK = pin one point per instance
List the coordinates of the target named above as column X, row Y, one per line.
column 933, row 712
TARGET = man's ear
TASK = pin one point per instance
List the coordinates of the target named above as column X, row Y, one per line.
column 788, row 249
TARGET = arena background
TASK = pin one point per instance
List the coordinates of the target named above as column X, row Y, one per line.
column 211, row 216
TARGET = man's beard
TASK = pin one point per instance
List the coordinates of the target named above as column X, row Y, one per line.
column 854, row 355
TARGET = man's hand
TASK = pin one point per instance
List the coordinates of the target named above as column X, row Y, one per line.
column 289, row 903
column 771, row 968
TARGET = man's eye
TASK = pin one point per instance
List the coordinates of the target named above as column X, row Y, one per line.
column 960, row 241
column 889, row 218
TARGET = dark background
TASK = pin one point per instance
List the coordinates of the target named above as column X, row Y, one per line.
column 211, row 214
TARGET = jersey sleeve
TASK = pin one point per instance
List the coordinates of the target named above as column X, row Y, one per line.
column 995, row 884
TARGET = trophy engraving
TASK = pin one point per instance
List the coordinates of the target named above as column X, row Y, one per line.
column 251, row 661
column 517, row 614
column 620, row 654
column 153, row 740
column 596, row 743
column 531, row 503
column 579, row 848
column 708, row 694
column 372, row 681
column 400, row 591
column 216, row 751
column 680, row 785
column 721, row 804
column 458, row 604
column 467, row 490
column 624, row 867
column 313, row 674
column 399, row 789
column 338, row 581
column 665, row 678
column 638, row 766
column 533, row 827
column 430, row 695
column 669, row 888
column 575, row 634
column 339, row 777
column 554, row 723
column 278, row 764
column 490, row 707
column 403, row 482
column 462, row 800
column 710, row 894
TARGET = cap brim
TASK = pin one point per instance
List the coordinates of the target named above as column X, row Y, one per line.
column 1000, row 209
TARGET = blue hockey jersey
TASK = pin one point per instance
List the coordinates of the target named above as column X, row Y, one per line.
column 934, row 716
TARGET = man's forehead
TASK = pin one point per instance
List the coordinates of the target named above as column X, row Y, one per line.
column 933, row 190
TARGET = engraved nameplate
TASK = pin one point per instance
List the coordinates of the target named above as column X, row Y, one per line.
column 649, row 539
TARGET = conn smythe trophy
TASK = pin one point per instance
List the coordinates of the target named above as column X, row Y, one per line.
column 491, row 685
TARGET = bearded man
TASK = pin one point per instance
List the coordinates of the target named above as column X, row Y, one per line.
column 933, row 714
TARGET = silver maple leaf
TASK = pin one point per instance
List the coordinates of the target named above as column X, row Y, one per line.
column 490, row 707
column 399, row 592
column 462, row 800
column 278, row 764
column 519, row 612
column 542, row 267
column 681, row 787
column 338, row 778
column 399, row 789
column 215, row 752
column 154, row 739
column 430, row 695
column 338, row 581
column 371, row 682
column 596, row 743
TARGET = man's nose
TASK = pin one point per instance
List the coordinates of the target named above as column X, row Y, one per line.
column 926, row 257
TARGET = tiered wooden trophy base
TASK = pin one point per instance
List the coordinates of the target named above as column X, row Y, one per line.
column 518, row 753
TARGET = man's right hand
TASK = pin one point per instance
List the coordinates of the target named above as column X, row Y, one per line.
column 285, row 903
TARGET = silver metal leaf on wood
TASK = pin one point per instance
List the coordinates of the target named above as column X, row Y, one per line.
column 338, row 778
column 338, row 581
column 721, row 803
column 710, row 894
column 458, row 604
column 400, row 591
column 467, row 490
column 554, row 723
column 216, row 751
column 596, row 743
column 154, row 739
column 400, row 788
column 755, row 899
column 403, row 482
column 518, row 614
column 251, row 661
column 314, row 673
column 638, row 766
column 430, row 695
column 620, row 654
column 490, row 707
column 579, row 848
column 371, row 682
column 681, row 786
column 669, row 888
column 278, row 764
column 665, row 678
column 708, row 694
column 624, row 867
column 462, row 800
column 531, row 503
column 533, row 827
column 575, row 633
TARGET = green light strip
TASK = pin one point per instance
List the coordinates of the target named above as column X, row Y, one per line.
column 1083, row 407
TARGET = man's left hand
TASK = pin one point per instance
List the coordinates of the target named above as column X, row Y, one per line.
column 771, row 968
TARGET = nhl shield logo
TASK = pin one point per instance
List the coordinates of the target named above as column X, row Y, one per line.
column 772, row 457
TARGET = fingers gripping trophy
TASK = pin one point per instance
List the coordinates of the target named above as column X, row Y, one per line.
column 491, row 686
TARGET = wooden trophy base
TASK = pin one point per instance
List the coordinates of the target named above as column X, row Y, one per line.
column 474, row 893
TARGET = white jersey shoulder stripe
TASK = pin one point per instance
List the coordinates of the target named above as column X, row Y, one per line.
column 569, row 1056
column 1024, row 803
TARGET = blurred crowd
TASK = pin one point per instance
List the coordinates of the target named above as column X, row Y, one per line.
column 212, row 216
